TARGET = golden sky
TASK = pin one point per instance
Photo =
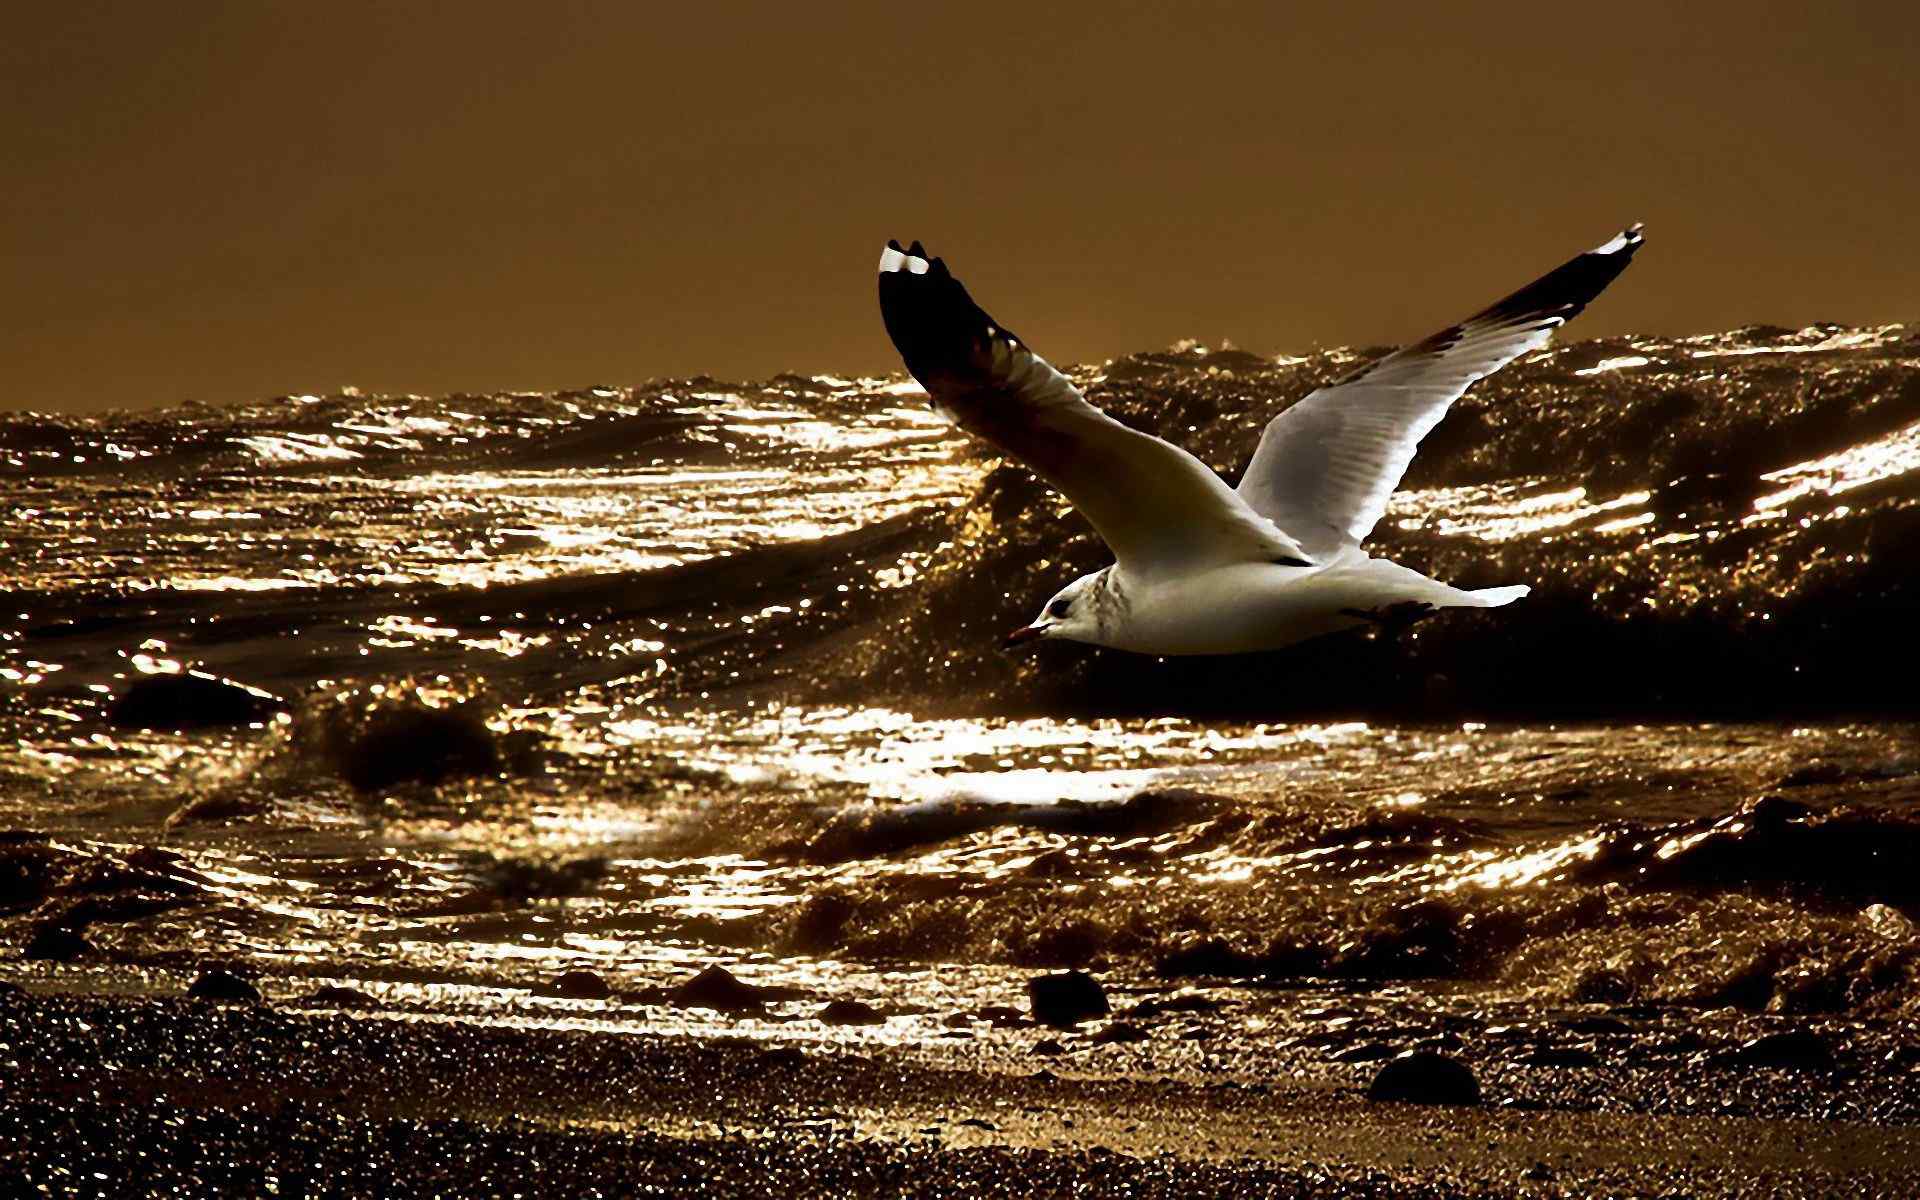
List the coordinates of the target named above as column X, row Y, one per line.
column 229, row 201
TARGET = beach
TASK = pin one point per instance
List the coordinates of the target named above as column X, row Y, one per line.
column 285, row 1099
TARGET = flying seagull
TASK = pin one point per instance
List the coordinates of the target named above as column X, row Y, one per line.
column 1200, row 567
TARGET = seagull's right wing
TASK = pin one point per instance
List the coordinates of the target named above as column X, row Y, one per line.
column 1325, row 467
column 1155, row 505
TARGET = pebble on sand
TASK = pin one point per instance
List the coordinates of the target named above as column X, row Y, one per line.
column 1067, row 998
column 218, row 983
column 1425, row 1078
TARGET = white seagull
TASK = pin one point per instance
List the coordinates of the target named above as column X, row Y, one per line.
column 1202, row 568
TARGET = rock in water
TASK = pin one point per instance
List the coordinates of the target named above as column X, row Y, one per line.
column 580, row 985
column 1067, row 998
column 716, row 988
column 1120, row 1033
column 56, row 944
column 1425, row 1078
column 850, row 1012
column 190, row 700
column 1795, row 1050
column 218, row 983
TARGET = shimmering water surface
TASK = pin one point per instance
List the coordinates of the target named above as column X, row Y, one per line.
column 639, row 680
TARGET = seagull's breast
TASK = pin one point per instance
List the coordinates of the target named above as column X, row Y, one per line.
column 1234, row 609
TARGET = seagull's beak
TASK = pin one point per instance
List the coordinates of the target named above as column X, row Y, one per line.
column 1022, row 636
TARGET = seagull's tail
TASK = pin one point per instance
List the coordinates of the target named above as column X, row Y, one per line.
column 1494, row 597
column 1375, row 582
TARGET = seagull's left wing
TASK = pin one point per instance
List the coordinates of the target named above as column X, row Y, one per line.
column 1325, row 467
column 1156, row 506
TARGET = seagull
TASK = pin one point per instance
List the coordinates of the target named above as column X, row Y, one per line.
column 1200, row 567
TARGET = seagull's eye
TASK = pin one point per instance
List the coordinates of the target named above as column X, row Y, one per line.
column 1059, row 608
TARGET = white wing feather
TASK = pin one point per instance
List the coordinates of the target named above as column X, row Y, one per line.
column 1325, row 467
column 1156, row 506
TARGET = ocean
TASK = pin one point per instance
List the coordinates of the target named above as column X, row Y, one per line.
column 443, row 698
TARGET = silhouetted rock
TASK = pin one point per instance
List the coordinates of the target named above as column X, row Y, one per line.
column 189, row 700
column 1120, row 1033
column 56, row 944
column 1799, row 1049
column 1067, row 998
column 580, row 985
column 1425, row 1078
column 716, row 988
column 218, row 983
column 335, row 996
column 850, row 1012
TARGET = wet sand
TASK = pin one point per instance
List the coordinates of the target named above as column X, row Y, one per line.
column 142, row 1095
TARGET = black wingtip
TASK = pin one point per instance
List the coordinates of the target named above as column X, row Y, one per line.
column 934, row 324
column 894, row 245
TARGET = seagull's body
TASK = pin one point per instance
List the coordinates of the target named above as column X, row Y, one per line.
column 1203, row 568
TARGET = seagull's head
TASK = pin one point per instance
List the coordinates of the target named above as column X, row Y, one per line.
column 1068, row 615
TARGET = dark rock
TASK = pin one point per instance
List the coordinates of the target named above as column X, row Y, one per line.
column 1048, row 1048
column 580, row 985
column 1562, row 1056
column 1799, row 1049
column 341, row 997
column 974, row 1123
column 1425, row 1078
column 716, row 988
column 218, row 983
column 29, row 870
column 850, row 1012
column 11, row 989
column 1000, row 1016
column 54, row 943
column 1120, row 1033
column 1067, row 998
column 190, row 700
